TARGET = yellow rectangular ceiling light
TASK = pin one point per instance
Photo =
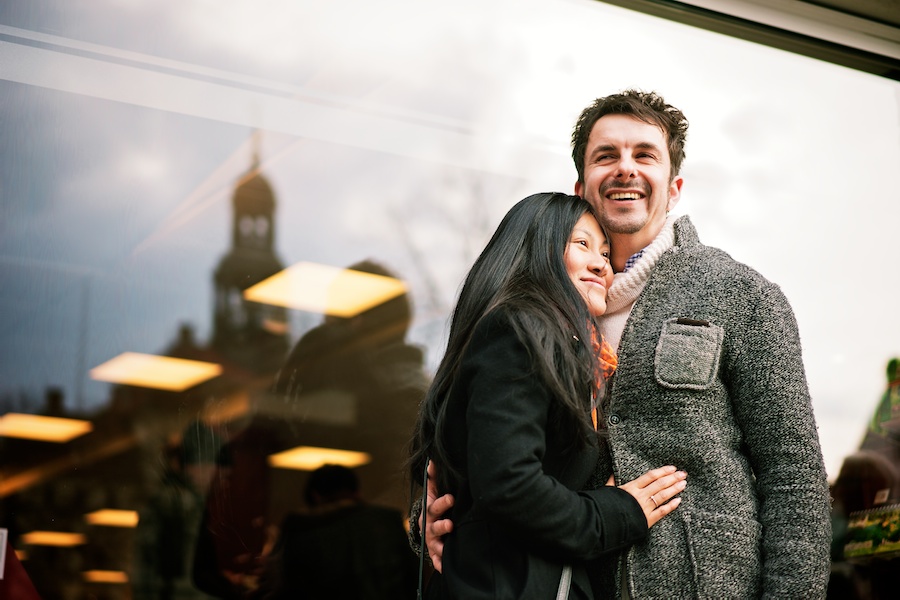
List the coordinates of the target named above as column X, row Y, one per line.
column 99, row 576
column 110, row 517
column 323, row 289
column 310, row 458
column 44, row 429
column 158, row 372
column 61, row 539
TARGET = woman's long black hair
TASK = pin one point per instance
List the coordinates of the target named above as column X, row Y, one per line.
column 522, row 269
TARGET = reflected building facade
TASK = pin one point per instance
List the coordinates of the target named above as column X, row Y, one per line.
column 195, row 464
column 250, row 334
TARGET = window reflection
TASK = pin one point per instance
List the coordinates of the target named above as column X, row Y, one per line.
column 138, row 206
column 192, row 466
column 866, row 506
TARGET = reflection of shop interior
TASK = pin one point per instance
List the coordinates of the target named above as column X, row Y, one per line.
column 866, row 506
column 351, row 384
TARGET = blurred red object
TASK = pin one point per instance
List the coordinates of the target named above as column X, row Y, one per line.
column 15, row 583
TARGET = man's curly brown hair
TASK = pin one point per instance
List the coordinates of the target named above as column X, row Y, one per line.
column 648, row 107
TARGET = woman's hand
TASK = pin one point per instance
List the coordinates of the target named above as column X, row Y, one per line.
column 437, row 527
column 655, row 491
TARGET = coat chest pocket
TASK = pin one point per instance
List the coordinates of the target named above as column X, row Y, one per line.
column 687, row 355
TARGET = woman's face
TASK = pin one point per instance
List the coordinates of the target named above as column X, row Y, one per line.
column 587, row 262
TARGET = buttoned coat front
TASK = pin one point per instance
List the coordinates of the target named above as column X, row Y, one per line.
column 711, row 379
column 518, row 515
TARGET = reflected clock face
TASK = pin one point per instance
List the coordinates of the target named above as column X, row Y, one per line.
column 245, row 225
column 262, row 227
column 253, row 229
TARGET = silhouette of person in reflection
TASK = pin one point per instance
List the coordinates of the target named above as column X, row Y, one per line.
column 368, row 380
column 341, row 548
column 232, row 535
column 350, row 383
column 168, row 525
column 366, row 356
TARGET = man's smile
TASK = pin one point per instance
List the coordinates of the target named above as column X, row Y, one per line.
column 625, row 196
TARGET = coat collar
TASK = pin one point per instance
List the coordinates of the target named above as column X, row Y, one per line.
column 685, row 233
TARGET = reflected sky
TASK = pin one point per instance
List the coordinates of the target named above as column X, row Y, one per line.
column 403, row 131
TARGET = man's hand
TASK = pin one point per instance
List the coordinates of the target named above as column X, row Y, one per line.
column 437, row 527
column 655, row 491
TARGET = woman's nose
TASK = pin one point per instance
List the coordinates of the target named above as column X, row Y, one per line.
column 600, row 264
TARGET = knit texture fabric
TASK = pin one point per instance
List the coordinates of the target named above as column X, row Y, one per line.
column 627, row 286
column 711, row 379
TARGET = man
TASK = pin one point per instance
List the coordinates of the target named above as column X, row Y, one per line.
column 710, row 379
column 342, row 548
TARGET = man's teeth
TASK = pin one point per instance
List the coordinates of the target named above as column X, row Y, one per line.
column 628, row 196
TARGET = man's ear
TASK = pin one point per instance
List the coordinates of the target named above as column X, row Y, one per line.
column 674, row 192
column 579, row 186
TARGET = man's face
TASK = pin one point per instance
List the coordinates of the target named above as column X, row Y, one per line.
column 626, row 177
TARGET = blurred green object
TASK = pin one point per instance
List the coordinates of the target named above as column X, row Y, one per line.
column 886, row 420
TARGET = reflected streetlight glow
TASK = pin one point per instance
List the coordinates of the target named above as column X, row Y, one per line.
column 310, row 458
column 158, row 372
column 41, row 428
column 98, row 576
column 60, row 539
column 113, row 518
column 323, row 289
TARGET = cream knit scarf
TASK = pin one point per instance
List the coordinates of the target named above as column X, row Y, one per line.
column 626, row 287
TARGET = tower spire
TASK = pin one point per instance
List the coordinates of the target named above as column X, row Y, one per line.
column 240, row 327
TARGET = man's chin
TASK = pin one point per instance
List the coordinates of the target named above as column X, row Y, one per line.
column 623, row 226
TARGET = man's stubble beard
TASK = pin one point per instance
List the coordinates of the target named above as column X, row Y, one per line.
column 622, row 225
column 632, row 224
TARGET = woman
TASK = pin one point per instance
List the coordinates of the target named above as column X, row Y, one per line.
column 507, row 419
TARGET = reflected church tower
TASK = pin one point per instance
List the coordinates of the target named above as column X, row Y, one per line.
column 251, row 334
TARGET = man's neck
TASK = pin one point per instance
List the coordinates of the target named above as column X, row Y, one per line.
column 624, row 245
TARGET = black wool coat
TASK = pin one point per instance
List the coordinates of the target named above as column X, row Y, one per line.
column 518, row 515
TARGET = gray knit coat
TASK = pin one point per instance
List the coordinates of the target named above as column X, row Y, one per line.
column 711, row 379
